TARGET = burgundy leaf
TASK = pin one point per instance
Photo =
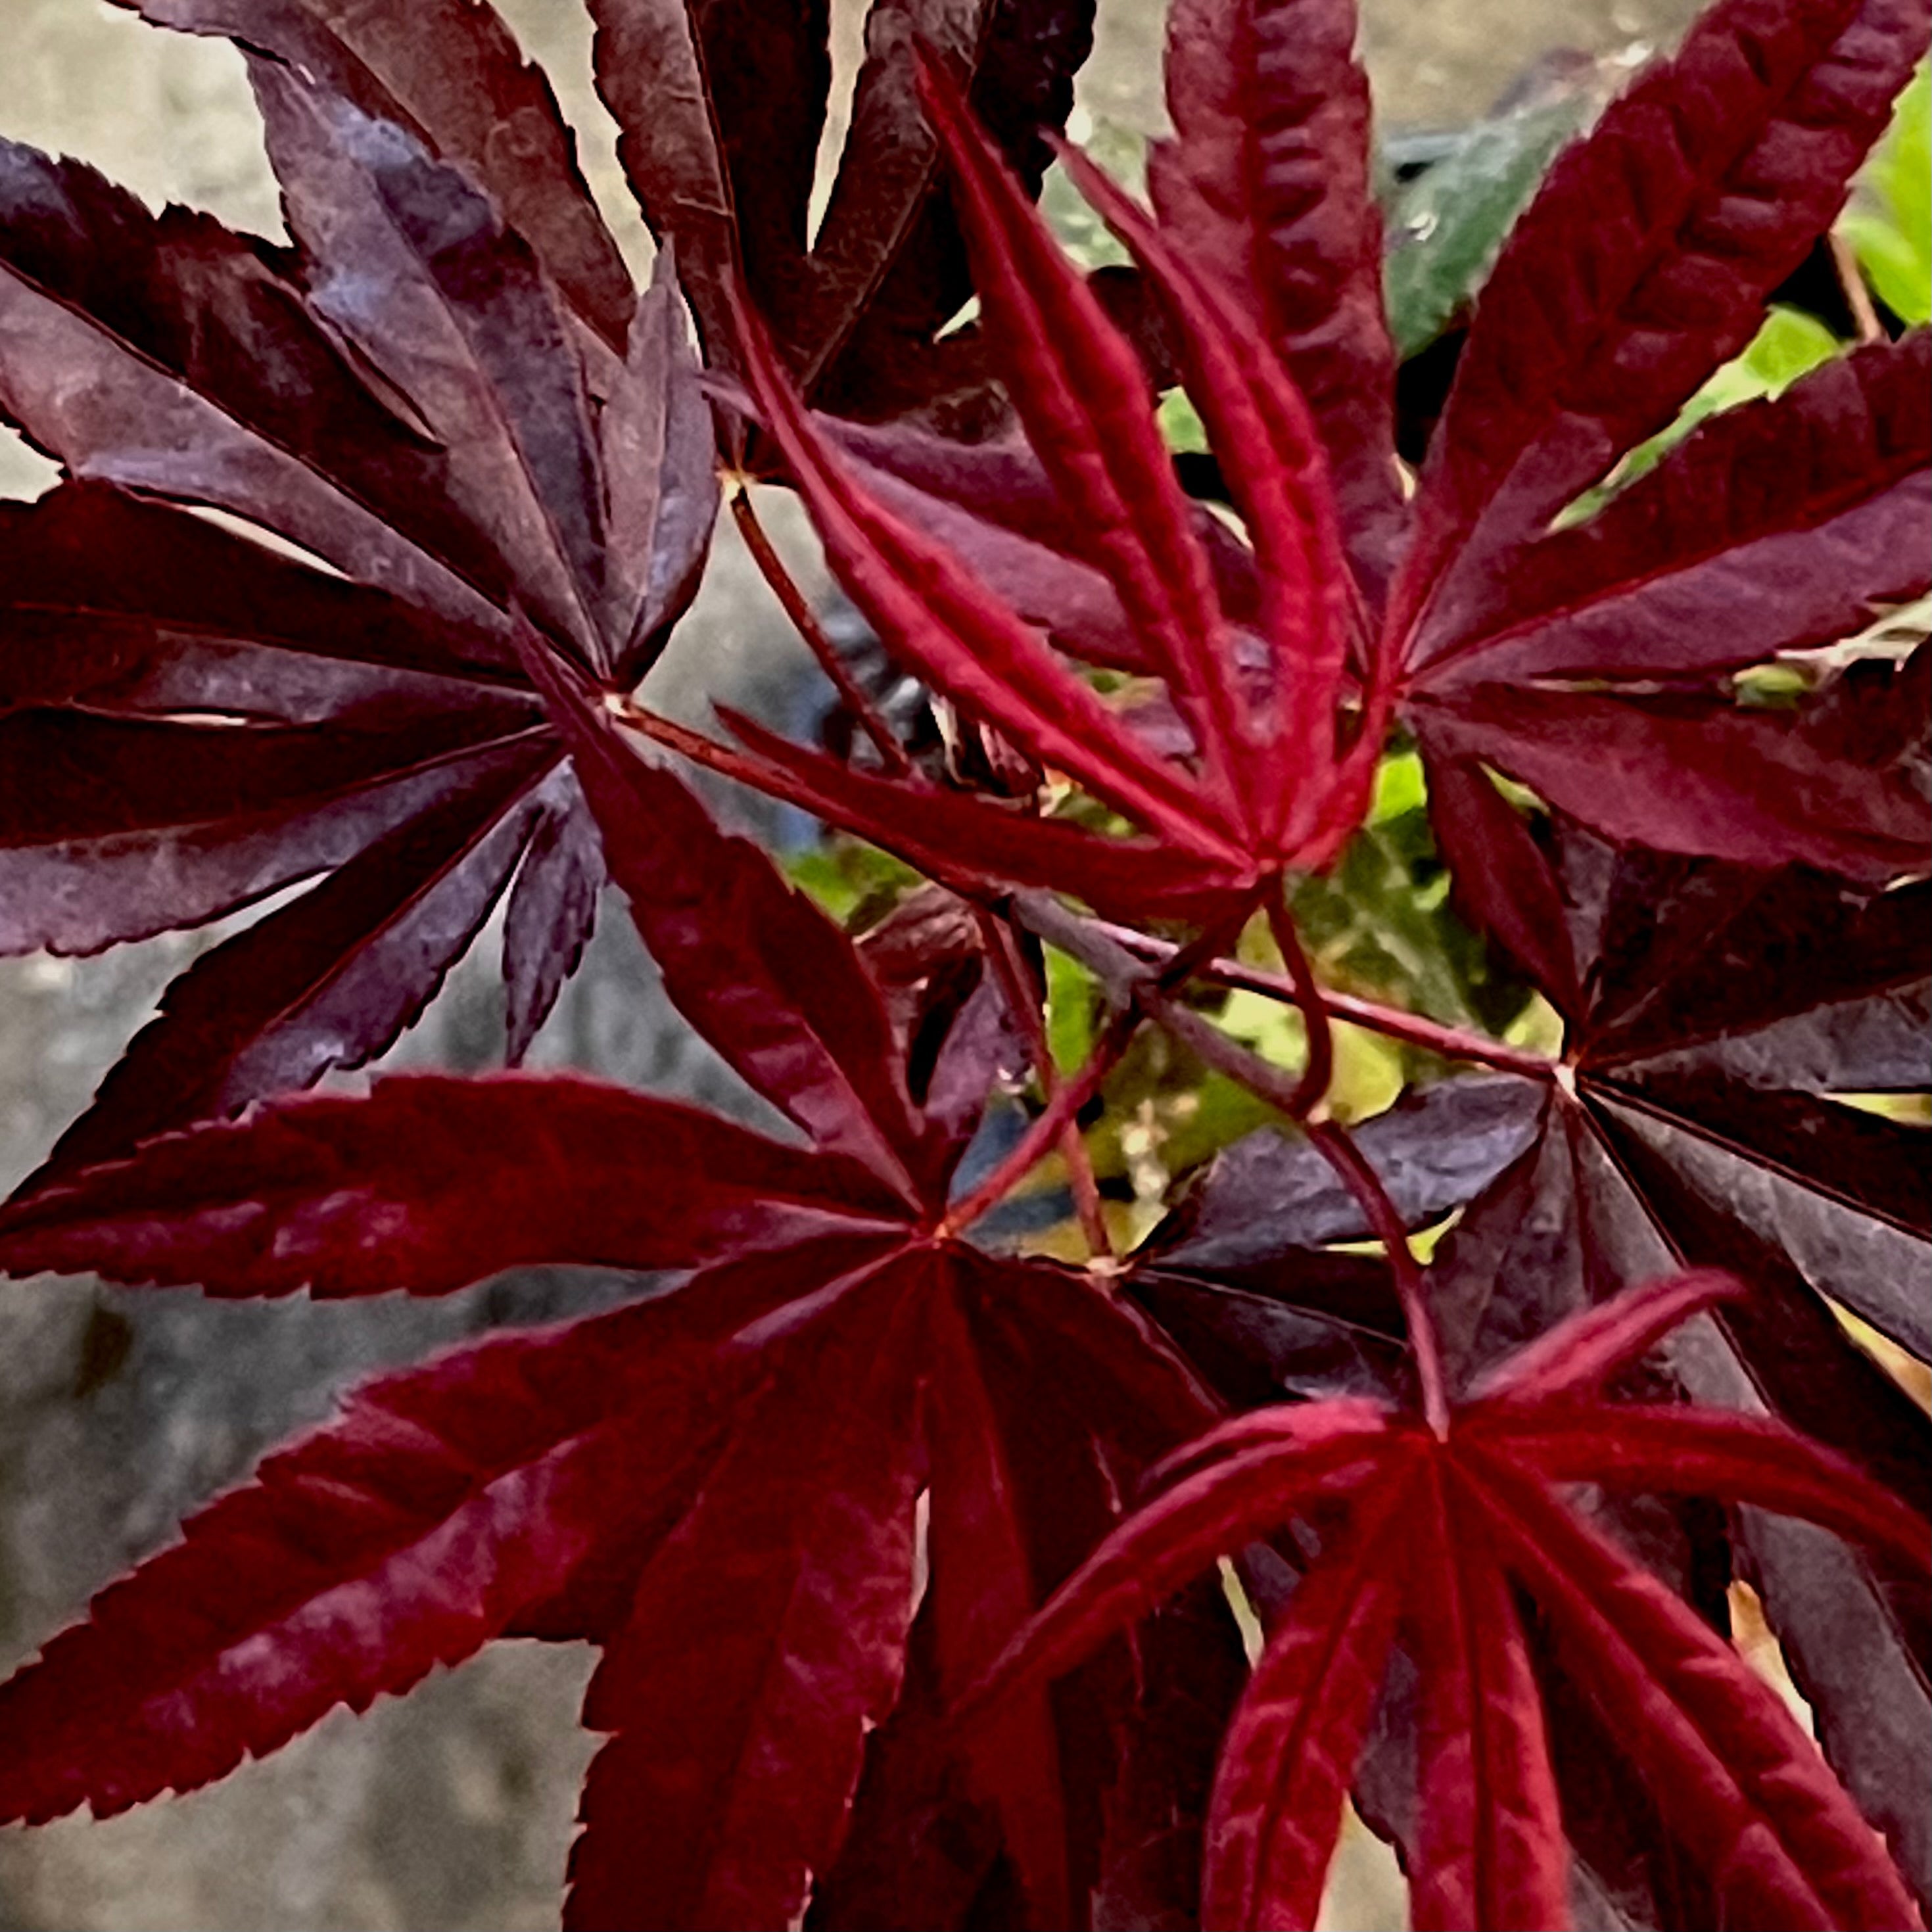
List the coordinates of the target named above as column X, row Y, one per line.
column 1741, row 1458
column 415, row 268
column 1578, row 1357
column 1844, row 1195
column 1501, row 882
column 1756, row 1801
column 1267, row 177
column 660, row 470
column 450, row 72
column 553, row 909
column 973, row 841
column 760, row 972
column 1697, row 776
column 1080, row 392
column 1271, row 458
column 982, row 1594
column 1290, row 1754
column 1645, row 261
column 720, row 108
column 1490, row 1834
column 118, row 605
column 1070, row 601
column 167, row 354
column 114, row 828
column 329, row 981
column 925, row 603
column 1774, row 527
column 431, row 1182
column 724, row 1788
column 1204, row 1515
column 889, row 269
column 439, row 1508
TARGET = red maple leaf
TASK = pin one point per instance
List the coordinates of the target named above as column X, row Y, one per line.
column 1428, row 1530
column 720, row 1485
column 1494, row 633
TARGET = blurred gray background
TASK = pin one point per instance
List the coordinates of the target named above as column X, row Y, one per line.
column 119, row 1412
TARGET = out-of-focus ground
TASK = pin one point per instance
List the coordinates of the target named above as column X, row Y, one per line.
column 118, row 1413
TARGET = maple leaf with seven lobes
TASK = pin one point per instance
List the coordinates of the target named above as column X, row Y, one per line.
column 1591, row 662
column 192, row 722
column 448, row 390
column 1427, row 1539
column 719, row 1485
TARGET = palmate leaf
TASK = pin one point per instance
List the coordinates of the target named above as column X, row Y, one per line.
column 197, row 723
column 1268, row 178
column 755, row 1631
column 450, row 73
column 1271, row 782
column 1437, row 1527
column 1699, row 1128
column 1536, row 650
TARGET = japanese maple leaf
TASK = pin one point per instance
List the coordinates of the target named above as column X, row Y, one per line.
column 1693, row 1122
column 1275, row 780
column 848, row 1430
column 1718, row 1017
column 1427, row 1535
column 1590, row 662
column 460, row 418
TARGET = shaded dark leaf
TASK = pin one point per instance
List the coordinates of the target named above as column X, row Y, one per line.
column 450, row 72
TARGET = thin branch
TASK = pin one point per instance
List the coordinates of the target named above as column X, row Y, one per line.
column 1858, row 297
column 1040, row 1140
column 1132, row 991
column 1115, row 964
column 1319, row 1074
column 805, row 620
column 1014, row 983
column 1452, row 1042
column 1337, row 1147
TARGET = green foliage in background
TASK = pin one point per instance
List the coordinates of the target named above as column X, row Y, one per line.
column 1889, row 222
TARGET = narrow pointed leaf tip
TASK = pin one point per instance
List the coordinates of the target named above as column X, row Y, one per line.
column 1260, row 700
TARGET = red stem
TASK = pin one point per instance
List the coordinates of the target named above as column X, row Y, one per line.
column 1338, row 1148
column 1131, row 988
column 1318, row 1074
column 1014, row 983
column 1452, row 1042
column 805, row 620
column 1059, row 1113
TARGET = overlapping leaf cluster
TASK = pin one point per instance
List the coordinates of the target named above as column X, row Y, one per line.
column 892, row 1541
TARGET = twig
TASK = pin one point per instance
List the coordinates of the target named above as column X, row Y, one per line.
column 805, row 620
column 1015, row 984
column 1852, row 282
column 1452, row 1042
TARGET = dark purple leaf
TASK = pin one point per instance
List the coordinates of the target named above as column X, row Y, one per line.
column 328, row 981
column 450, row 72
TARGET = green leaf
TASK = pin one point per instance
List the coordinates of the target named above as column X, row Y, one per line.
column 1889, row 222
column 1446, row 227
column 1072, row 993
